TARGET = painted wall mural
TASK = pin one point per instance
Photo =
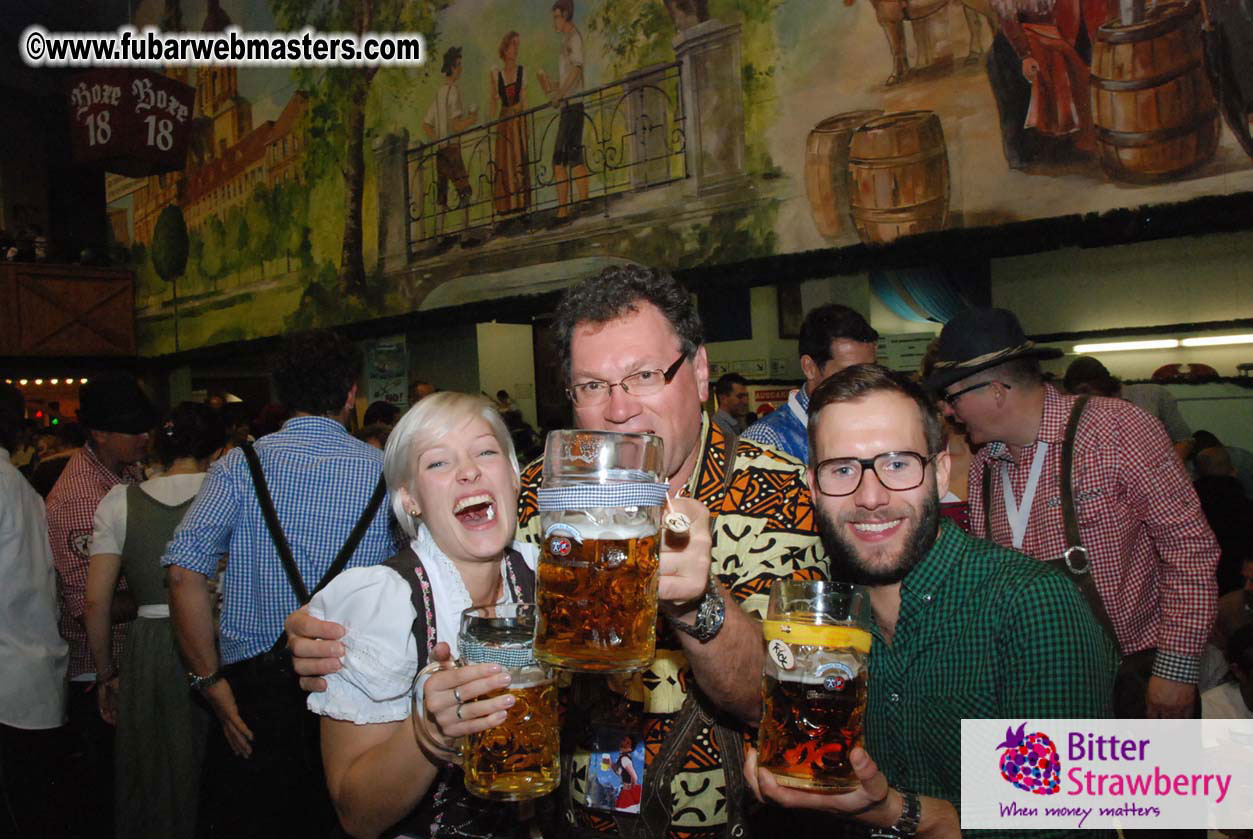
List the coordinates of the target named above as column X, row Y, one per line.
column 534, row 146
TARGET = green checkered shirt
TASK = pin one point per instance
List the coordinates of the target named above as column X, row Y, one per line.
column 984, row 632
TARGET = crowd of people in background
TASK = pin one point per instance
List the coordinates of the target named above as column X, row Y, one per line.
column 165, row 675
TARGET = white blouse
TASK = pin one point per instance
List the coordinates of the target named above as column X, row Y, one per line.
column 374, row 605
column 109, row 524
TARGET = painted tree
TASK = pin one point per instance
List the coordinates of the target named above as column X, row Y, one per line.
column 169, row 252
column 339, row 95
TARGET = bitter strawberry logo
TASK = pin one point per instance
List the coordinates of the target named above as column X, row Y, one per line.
column 1030, row 762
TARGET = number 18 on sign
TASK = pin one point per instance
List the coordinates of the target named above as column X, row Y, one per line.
column 133, row 122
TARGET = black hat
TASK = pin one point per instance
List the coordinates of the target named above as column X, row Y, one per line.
column 977, row 339
column 116, row 402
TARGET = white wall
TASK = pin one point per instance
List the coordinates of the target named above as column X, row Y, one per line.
column 506, row 361
column 1187, row 280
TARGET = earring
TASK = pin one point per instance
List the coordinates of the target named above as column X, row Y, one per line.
column 413, row 514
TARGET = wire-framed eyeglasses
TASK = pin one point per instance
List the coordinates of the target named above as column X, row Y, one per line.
column 641, row 383
column 897, row 471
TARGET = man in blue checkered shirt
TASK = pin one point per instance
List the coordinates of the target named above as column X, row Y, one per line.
column 263, row 772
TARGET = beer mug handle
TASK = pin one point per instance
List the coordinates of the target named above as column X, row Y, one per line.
column 427, row 740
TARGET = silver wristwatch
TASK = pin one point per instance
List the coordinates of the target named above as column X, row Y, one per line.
column 709, row 617
column 906, row 826
column 203, row 683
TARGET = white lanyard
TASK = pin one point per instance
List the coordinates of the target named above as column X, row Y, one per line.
column 1016, row 514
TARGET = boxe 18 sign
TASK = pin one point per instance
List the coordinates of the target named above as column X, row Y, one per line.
column 132, row 122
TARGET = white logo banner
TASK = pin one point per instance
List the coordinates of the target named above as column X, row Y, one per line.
column 1100, row 774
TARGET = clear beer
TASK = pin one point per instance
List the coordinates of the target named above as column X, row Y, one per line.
column 814, row 684
column 596, row 581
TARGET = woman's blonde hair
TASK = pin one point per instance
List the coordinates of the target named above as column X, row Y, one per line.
column 422, row 427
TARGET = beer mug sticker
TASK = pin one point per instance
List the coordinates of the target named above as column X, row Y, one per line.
column 782, row 654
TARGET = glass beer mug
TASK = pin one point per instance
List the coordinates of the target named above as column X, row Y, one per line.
column 596, row 584
column 519, row 759
column 814, row 683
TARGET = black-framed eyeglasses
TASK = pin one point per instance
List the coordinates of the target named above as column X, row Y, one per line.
column 951, row 398
column 897, row 471
column 642, row 383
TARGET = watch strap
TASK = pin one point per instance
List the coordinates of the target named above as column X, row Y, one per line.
column 906, row 826
column 203, row 683
column 710, row 615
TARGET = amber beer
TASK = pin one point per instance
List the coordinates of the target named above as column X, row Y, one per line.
column 519, row 759
column 808, row 728
column 596, row 578
column 597, row 599
column 814, row 682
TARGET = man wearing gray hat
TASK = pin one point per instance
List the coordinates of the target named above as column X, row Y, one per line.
column 1092, row 485
column 117, row 415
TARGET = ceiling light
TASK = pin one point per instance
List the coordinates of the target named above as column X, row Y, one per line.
column 1217, row 340
column 22, row 382
column 82, row 381
column 39, row 381
column 55, row 381
column 1118, row 346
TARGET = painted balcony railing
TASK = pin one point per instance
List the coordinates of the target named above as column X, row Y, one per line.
column 538, row 166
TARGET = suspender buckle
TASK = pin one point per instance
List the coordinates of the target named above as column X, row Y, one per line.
column 1076, row 559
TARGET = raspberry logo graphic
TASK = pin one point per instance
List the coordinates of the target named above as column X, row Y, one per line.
column 1030, row 762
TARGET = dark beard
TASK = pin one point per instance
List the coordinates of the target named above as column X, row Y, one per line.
column 846, row 565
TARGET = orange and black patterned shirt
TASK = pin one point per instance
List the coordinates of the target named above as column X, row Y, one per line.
column 763, row 530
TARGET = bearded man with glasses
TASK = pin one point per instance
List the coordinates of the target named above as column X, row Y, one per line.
column 963, row 628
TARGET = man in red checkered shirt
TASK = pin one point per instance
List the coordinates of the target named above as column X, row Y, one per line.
column 1150, row 552
column 117, row 415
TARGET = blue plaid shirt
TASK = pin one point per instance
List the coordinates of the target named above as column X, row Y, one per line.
column 321, row 479
column 781, row 429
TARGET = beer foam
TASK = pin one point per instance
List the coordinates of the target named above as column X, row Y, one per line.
column 524, row 682
column 601, row 524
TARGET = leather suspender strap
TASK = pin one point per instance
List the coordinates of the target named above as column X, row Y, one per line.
column 280, row 541
column 1075, row 555
column 271, row 522
column 355, row 537
column 1074, row 560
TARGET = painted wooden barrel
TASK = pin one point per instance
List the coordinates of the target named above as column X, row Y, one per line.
column 1152, row 103
column 898, row 168
column 826, row 169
